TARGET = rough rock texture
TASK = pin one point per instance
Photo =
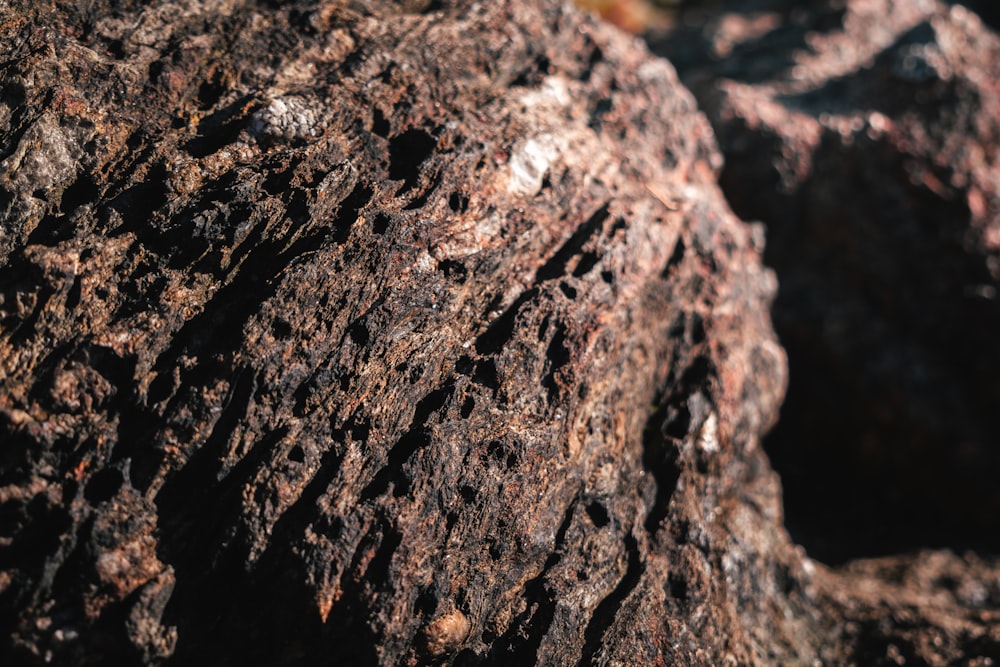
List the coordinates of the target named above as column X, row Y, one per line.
column 339, row 321
column 396, row 333
column 865, row 134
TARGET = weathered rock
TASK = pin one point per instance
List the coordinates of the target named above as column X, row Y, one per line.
column 865, row 135
column 350, row 332
column 928, row 608
column 393, row 333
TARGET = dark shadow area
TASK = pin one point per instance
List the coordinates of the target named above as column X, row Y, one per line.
column 886, row 305
column 752, row 59
column 885, row 442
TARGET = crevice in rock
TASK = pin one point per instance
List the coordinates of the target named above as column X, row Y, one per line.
column 415, row 438
column 501, row 329
column 605, row 612
column 221, row 128
column 407, row 152
column 520, row 644
column 558, row 355
column 556, row 265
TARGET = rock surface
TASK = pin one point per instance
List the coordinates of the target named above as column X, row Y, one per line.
column 396, row 333
column 865, row 135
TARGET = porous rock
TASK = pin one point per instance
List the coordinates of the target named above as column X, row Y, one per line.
column 352, row 332
column 391, row 333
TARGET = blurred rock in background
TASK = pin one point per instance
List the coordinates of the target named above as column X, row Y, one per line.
column 865, row 135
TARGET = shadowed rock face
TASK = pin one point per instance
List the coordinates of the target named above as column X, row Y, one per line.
column 864, row 134
column 392, row 334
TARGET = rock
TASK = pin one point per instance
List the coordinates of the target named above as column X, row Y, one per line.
column 864, row 135
column 354, row 332
column 394, row 333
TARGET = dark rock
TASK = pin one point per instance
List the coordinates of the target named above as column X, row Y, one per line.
column 864, row 134
column 394, row 333
column 351, row 331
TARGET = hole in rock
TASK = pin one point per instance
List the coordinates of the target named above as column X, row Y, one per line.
column 407, row 152
column 103, row 486
column 598, row 514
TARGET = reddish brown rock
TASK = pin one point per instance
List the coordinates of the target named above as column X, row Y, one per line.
column 865, row 135
column 352, row 332
column 391, row 334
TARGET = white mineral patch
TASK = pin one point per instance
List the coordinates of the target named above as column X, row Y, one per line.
column 286, row 119
column 425, row 262
column 529, row 164
column 554, row 91
column 708, row 437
